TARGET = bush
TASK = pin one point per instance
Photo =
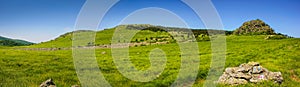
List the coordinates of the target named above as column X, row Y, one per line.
column 202, row 37
column 11, row 43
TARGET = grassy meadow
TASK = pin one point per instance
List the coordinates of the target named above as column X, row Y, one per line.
column 29, row 68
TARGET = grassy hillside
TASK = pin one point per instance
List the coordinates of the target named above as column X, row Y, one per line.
column 145, row 33
column 31, row 67
column 103, row 37
column 23, row 67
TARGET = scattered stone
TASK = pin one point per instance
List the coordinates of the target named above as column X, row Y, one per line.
column 48, row 83
column 249, row 72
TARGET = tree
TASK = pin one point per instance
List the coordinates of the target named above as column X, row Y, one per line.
column 90, row 44
column 254, row 27
column 10, row 43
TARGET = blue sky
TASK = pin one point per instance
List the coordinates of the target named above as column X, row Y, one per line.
column 43, row 20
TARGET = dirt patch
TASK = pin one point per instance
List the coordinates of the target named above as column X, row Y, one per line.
column 294, row 76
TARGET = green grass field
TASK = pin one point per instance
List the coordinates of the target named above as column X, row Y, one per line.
column 22, row 68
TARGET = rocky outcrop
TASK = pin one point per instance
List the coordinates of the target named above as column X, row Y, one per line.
column 254, row 27
column 248, row 72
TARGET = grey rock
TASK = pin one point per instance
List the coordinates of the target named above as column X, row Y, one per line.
column 48, row 83
column 224, row 77
column 245, row 67
column 242, row 75
column 256, row 69
column 258, row 78
column 276, row 76
column 253, row 63
column 229, row 70
column 233, row 81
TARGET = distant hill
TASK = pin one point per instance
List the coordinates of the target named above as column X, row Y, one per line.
column 3, row 38
column 160, row 34
column 153, row 28
column 13, row 42
column 149, row 33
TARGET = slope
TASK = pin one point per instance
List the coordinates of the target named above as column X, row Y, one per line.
column 13, row 42
column 145, row 33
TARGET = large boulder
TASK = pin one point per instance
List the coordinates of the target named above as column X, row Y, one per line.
column 248, row 72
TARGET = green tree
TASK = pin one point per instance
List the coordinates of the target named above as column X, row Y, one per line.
column 10, row 43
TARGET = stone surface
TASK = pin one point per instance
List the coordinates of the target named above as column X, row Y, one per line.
column 248, row 72
column 48, row 83
column 276, row 76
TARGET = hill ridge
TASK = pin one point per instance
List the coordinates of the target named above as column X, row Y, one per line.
column 4, row 41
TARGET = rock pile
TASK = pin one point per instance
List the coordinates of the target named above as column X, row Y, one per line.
column 248, row 72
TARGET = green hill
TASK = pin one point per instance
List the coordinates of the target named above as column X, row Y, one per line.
column 13, row 42
column 147, row 33
column 3, row 38
column 29, row 67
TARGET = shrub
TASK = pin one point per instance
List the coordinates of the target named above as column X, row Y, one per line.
column 202, row 37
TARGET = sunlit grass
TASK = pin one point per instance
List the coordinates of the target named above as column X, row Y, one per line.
column 29, row 68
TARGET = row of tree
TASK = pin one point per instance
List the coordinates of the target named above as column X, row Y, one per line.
column 9, row 42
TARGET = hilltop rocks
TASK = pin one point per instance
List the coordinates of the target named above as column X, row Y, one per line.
column 254, row 27
column 250, row 72
column 48, row 83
